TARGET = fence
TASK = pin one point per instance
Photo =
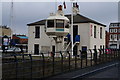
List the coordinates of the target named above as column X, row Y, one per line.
column 42, row 66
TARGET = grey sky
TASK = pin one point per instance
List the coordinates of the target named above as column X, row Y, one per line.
column 27, row 12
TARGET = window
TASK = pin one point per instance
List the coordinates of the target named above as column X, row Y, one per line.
column 115, row 36
column 66, row 24
column 37, row 32
column 119, row 30
column 59, row 24
column 111, row 36
column 111, row 30
column 101, row 33
column 115, row 30
column 94, row 31
column 50, row 23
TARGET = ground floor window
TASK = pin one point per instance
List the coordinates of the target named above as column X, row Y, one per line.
column 114, row 46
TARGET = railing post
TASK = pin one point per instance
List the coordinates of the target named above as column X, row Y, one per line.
column 86, row 58
column 43, row 64
column 31, row 64
column 61, row 61
column 81, row 58
column 91, row 56
column 95, row 56
column 16, row 62
column 23, row 62
column 110, row 54
column 69, row 59
column 99, row 55
column 114, row 53
column 103, row 56
column 106, row 55
column 75, row 61
column 53, row 56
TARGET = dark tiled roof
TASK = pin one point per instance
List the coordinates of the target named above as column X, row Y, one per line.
column 77, row 19
column 41, row 22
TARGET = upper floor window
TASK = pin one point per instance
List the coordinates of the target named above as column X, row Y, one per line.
column 115, row 30
column 37, row 32
column 111, row 30
column 94, row 31
column 50, row 23
column 111, row 37
column 100, row 32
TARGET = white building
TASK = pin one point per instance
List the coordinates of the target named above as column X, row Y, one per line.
column 92, row 35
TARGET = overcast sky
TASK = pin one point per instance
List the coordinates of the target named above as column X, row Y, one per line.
column 27, row 12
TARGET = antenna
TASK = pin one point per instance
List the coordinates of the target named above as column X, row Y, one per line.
column 11, row 16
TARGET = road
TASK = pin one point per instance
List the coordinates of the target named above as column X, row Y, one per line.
column 108, row 73
column 108, row 70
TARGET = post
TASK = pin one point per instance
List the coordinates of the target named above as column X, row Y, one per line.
column 16, row 62
column 100, row 56
column 75, row 61
column 86, row 58
column 53, row 62
column 31, row 64
column 69, row 59
column 91, row 56
column 61, row 61
column 72, row 26
column 43, row 64
column 81, row 58
column 95, row 56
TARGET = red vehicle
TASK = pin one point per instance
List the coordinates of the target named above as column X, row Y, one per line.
column 107, row 51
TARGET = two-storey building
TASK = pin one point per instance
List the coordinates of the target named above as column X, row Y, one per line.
column 92, row 35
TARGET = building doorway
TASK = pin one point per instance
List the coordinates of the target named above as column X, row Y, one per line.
column 53, row 48
column 36, row 49
column 75, row 32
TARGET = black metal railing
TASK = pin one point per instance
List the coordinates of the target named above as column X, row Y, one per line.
column 43, row 66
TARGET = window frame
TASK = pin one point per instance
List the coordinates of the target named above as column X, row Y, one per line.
column 37, row 31
column 59, row 23
column 95, row 31
column 51, row 26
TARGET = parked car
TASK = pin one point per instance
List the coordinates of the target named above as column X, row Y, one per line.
column 12, row 50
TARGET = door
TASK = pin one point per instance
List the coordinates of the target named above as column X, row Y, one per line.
column 53, row 48
column 75, row 32
column 36, row 49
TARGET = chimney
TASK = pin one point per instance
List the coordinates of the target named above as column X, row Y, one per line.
column 60, row 7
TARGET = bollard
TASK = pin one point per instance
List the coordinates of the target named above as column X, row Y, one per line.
column 43, row 64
